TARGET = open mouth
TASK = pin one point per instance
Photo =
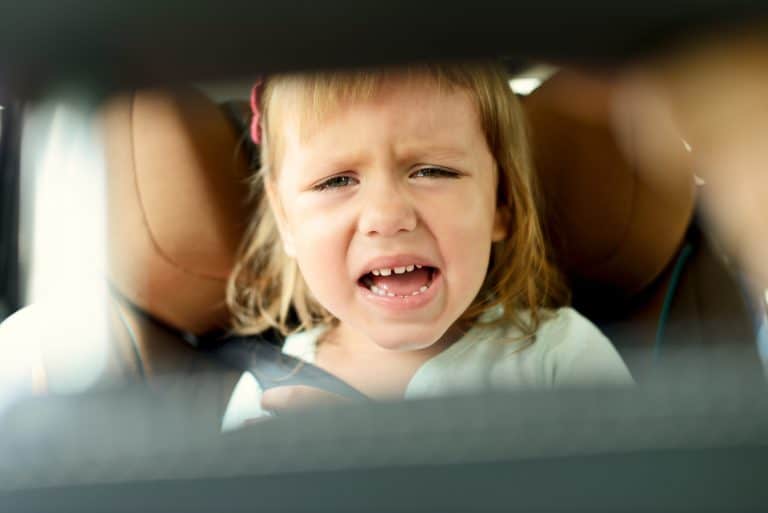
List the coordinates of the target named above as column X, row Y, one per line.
column 406, row 281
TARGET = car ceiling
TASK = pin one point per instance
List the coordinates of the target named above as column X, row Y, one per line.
column 113, row 42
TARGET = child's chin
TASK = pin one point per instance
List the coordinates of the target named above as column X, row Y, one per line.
column 405, row 341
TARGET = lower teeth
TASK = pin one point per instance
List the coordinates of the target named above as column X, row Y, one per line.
column 381, row 292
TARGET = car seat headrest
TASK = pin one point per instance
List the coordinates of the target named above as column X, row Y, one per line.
column 614, row 223
column 177, row 204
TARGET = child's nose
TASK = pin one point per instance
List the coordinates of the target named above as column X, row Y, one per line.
column 386, row 211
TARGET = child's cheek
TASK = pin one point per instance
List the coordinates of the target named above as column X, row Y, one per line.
column 321, row 255
column 465, row 241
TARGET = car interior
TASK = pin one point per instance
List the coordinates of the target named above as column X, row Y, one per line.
column 173, row 158
column 638, row 263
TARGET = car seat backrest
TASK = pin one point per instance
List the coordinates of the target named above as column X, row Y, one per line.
column 615, row 224
column 626, row 234
column 177, row 204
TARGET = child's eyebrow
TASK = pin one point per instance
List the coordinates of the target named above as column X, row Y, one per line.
column 343, row 161
column 451, row 152
column 404, row 154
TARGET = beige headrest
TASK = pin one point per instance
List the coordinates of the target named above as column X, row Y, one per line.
column 177, row 204
column 615, row 222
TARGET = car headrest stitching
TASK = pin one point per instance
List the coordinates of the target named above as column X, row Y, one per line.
column 622, row 239
column 145, row 218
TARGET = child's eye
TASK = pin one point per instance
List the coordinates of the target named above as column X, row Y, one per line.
column 335, row 182
column 434, row 172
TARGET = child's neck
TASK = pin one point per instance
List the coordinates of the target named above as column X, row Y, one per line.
column 377, row 372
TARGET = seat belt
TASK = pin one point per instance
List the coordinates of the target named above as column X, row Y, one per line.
column 259, row 355
column 272, row 368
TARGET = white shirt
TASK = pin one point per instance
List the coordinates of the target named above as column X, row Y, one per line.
column 568, row 351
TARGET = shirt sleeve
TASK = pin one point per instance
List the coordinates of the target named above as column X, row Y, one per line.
column 582, row 356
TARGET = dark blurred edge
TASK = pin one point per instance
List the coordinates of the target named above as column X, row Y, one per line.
column 689, row 445
column 663, row 481
column 148, row 42
column 10, row 147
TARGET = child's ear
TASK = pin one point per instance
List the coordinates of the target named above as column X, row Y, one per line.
column 501, row 220
column 282, row 224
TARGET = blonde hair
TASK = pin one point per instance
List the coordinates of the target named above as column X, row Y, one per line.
column 266, row 289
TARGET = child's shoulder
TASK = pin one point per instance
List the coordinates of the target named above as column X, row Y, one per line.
column 570, row 350
column 561, row 329
column 565, row 329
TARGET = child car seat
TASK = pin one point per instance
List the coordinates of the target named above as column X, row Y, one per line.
column 178, row 205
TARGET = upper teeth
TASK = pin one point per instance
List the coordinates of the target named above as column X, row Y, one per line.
column 386, row 271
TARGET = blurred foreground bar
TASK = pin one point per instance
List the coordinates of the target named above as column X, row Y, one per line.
column 147, row 42
column 695, row 444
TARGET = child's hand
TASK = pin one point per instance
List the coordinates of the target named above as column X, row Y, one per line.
column 297, row 397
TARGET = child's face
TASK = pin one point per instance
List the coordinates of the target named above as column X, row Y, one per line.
column 405, row 180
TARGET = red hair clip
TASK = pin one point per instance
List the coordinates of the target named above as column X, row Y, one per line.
column 256, row 111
